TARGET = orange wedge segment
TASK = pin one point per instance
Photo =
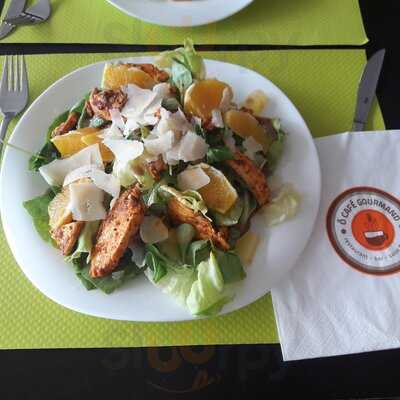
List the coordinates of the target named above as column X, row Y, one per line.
column 93, row 138
column 244, row 124
column 116, row 76
column 70, row 143
column 219, row 195
column 59, row 214
column 205, row 96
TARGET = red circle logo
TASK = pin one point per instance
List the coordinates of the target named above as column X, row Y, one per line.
column 373, row 230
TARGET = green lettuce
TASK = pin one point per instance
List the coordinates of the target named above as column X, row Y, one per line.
column 85, row 241
column 126, row 271
column 202, row 290
column 38, row 210
column 207, row 295
column 275, row 150
column 48, row 152
column 185, row 55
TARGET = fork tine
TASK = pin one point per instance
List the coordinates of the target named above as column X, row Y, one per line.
column 24, row 76
column 4, row 76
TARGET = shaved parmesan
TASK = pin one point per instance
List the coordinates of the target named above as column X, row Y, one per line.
column 252, row 147
column 175, row 122
column 192, row 147
column 86, row 202
column 112, row 132
column 216, row 119
column 156, row 145
column 55, row 172
column 192, row 178
column 124, row 150
column 153, row 230
column 79, row 173
column 229, row 140
column 141, row 108
column 107, row 182
column 138, row 100
column 171, row 157
column 116, row 118
column 163, row 90
column 138, row 253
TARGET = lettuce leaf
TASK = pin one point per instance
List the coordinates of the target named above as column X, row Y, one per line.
column 85, row 241
column 126, row 271
column 275, row 150
column 201, row 290
column 231, row 217
column 219, row 154
column 38, row 210
column 48, row 153
column 230, row 265
column 187, row 56
column 197, row 252
column 207, row 296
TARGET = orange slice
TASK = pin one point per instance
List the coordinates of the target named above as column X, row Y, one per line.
column 244, row 124
column 93, row 138
column 205, row 96
column 59, row 214
column 219, row 195
column 115, row 76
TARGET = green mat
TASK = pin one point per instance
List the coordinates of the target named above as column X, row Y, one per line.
column 322, row 84
column 293, row 22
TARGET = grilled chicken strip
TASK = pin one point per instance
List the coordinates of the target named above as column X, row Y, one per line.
column 101, row 102
column 115, row 232
column 252, row 175
column 181, row 214
column 156, row 168
column 67, row 125
column 66, row 236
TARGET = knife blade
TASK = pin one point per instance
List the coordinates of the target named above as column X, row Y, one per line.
column 14, row 10
column 367, row 89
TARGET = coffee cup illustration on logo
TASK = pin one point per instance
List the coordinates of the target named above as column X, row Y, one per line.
column 363, row 226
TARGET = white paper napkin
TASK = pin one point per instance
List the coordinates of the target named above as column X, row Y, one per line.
column 337, row 299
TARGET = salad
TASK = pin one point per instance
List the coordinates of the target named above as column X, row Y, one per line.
column 158, row 173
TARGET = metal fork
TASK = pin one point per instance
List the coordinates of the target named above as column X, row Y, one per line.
column 14, row 91
column 35, row 14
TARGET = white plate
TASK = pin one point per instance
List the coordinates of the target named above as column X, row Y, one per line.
column 180, row 13
column 139, row 300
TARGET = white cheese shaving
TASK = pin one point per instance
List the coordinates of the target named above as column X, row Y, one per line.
column 86, row 202
column 112, row 132
column 252, row 147
column 216, row 118
column 156, row 145
column 124, row 150
column 107, row 182
column 153, row 230
column 138, row 100
column 176, row 122
column 141, row 108
column 116, row 118
column 192, row 147
column 79, row 173
column 163, row 90
column 138, row 253
column 229, row 140
column 55, row 172
column 192, row 178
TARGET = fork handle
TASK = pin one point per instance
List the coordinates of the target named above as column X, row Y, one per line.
column 3, row 129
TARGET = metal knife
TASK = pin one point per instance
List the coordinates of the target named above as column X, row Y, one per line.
column 14, row 10
column 367, row 89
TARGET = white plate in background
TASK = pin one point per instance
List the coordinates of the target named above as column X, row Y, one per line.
column 182, row 12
